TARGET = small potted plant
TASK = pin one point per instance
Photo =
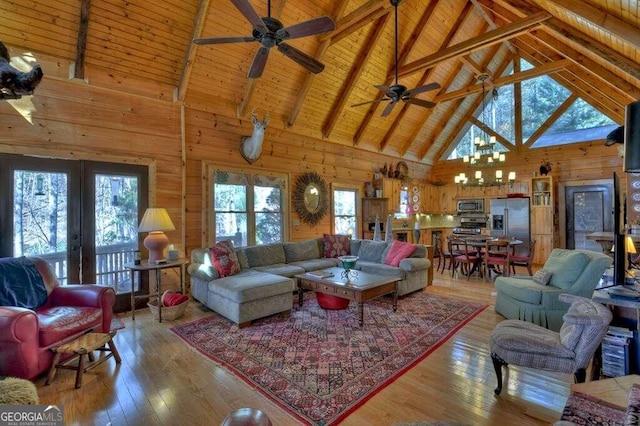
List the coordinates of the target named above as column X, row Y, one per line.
column 545, row 167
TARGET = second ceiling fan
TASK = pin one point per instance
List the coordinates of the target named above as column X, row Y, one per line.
column 270, row 32
column 398, row 92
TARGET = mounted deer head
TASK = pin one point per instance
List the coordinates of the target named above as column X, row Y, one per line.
column 251, row 146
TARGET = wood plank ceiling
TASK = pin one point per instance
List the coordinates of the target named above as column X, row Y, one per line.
column 592, row 47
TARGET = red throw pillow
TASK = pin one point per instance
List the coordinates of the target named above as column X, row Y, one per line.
column 224, row 258
column 399, row 251
column 170, row 298
column 336, row 245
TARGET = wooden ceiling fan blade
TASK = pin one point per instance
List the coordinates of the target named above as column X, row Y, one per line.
column 220, row 40
column 389, row 108
column 421, row 102
column 314, row 26
column 249, row 12
column 422, row 89
column 302, row 58
column 259, row 61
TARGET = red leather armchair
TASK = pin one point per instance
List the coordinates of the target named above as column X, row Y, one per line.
column 27, row 335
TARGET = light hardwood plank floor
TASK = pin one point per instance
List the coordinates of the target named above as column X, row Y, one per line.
column 161, row 381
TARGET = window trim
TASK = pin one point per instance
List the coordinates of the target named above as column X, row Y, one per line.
column 336, row 186
column 209, row 226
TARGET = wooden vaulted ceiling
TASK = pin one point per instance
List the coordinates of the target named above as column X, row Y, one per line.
column 592, row 47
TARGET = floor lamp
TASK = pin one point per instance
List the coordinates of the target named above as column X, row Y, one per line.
column 155, row 221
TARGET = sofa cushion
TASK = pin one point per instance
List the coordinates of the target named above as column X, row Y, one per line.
column 224, row 258
column 399, row 250
column 316, row 264
column 336, row 245
column 381, row 269
column 566, row 267
column 523, row 290
column 251, row 285
column 354, row 247
column 282, row 269
column 542, row 277
column 60, row 322
column 372, row 250
column 264, row 255
column 303, row 250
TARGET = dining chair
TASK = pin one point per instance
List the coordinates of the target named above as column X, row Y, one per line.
column 440, row 253
column 523, row 259
column 468, row 259
column 497, row 257
column 448, row 253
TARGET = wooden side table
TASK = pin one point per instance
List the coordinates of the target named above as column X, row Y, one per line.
column 145, row 265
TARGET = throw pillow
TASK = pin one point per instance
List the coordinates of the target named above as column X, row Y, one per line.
column 336, row 245
column 170, row 298
column 224, row 258
column 399, row 250
column 542, row 277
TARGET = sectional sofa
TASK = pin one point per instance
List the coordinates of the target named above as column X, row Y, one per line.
column 265, row 284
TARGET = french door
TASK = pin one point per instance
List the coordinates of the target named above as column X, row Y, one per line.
column 82, row 216
column 588, row 209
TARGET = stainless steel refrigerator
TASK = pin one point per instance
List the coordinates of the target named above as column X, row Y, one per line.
column 510, row 217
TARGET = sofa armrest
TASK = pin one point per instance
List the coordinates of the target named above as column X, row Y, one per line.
column 411, row 264
column 83, row 295
column 19, row 345
column 202, row 271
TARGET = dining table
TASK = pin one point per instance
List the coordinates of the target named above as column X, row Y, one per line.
column 479, row 241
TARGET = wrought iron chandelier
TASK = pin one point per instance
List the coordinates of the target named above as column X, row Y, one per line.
column 485, row 157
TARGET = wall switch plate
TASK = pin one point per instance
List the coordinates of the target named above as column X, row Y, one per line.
column 296, row 222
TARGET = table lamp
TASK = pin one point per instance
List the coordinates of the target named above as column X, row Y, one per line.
column 155, row 221
column 630, row 249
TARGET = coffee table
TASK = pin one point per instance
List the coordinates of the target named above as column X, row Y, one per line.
column 359, row 287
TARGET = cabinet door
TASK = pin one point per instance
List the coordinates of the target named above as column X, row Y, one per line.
column 541, row 220
column 544, row 245
column 448, row 199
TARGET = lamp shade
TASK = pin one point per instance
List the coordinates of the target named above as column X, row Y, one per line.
column 632, row 138
column 156, row 219
column 630, row 247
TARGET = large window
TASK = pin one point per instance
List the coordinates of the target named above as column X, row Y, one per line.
column 345, row 211
column 248, row 208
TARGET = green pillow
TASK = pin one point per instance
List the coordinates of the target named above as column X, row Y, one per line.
column 566, row 267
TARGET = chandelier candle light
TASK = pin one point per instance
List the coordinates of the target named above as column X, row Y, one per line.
column 155, row 221
column 485, row 156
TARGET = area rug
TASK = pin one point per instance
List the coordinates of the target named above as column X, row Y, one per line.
column 116, row 323
column 584, row 409
column 318, row 364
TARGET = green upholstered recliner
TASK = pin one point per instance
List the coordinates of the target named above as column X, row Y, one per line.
column 574, row 272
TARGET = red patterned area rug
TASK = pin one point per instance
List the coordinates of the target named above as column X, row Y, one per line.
column 318, row 364
column 584, row 409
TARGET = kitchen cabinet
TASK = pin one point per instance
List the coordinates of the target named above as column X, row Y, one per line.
column 543, row 226
column 392, row 190
column 448, row 197
column 370, row 208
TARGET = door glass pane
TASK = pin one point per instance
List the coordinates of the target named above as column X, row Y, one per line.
column 588, row 217
column 116, row 229
column 40, row 218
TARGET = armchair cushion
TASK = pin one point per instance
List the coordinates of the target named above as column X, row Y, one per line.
column 566, row 267
column 21, row 284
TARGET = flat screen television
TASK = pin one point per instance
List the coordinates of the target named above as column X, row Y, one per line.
column 619, row 216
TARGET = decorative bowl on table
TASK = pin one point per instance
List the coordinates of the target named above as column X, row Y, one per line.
column 348, row 264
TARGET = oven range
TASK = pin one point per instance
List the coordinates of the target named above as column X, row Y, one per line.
column 471, row 225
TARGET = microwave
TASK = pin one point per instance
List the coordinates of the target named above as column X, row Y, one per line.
column 475, row 205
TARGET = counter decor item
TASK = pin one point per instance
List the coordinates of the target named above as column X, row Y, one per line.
column 348, row 263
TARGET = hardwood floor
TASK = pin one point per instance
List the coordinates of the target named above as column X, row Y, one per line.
column 161, row 381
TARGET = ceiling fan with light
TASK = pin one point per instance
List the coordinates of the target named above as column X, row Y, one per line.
column 398, row 92
column 271, row 32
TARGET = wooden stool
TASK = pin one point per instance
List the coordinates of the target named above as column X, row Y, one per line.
column 83, row 345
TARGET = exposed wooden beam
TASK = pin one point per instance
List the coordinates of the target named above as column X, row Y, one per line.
column 489, row 20
column 81, row 43
column 488, row 130
column 402, row 56
column 517, row 107
column 362, row 16
column 187, row 66
column 426, row 76
column 482, row 41
column 356, row 70
column 469, row 63
column 600, row 19
column 551, row 119
column 509, row 79
column 306, row 85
